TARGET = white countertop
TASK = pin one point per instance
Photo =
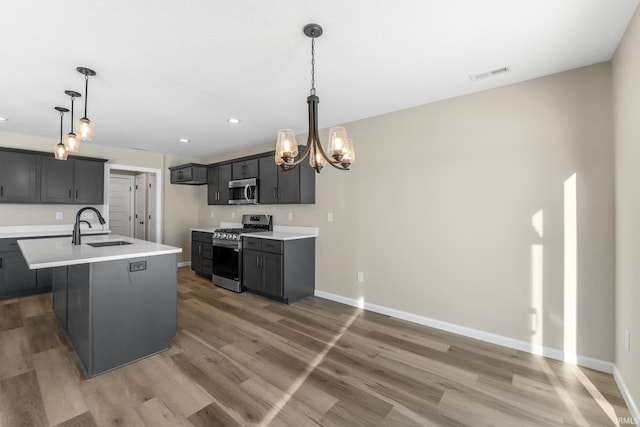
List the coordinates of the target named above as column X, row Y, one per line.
column 18, row 231
column 205, row 229
column 280, row 235
column 58, row 251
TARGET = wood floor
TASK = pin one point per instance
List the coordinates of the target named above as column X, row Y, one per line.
column 239, row 360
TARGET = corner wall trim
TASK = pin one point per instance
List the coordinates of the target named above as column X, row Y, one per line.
column 184, row 264
column 552, row 353
column 633, row 408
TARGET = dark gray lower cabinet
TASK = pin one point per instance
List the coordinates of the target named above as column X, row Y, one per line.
column 282, row 270
column 112, row 315
column 202, row 253
column 16, row 279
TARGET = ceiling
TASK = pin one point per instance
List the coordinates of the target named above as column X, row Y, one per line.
column 168, row 69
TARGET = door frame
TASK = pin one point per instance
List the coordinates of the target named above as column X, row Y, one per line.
column 157, row 172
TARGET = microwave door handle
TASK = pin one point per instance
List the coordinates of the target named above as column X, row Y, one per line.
column 246, row 192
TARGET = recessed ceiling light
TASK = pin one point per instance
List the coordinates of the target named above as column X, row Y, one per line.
column 233, row 121
column 3, row 119
column 184, row 140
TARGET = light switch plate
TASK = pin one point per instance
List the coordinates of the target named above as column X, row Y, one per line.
column 58, row 215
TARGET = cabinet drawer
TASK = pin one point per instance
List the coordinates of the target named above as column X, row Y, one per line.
column 207, row 251
column 272, row 246
column 197, row 236
column 207, row 238
column 207, row 266
column 9, row 245
column 251, row 243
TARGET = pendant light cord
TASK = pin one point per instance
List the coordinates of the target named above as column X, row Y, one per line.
column 61, row 116
column 73, row 98
column 86, row 93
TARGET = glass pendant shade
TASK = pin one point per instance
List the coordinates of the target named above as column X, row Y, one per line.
column 286, row 147
column 337, row 142
column 316, row 160
column 85, row 129
column 60, row 152
column 72, row 142
column 349, row 155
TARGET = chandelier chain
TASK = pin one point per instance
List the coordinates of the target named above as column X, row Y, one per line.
column 313, row 66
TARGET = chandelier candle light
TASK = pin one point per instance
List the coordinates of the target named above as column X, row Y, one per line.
column 60, row 151
column 340, row 147
column 85, row 126
column 71, row 140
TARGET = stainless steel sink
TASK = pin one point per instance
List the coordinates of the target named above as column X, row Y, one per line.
column 109, row 243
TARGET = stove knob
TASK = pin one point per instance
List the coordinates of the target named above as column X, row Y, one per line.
column 235, row 237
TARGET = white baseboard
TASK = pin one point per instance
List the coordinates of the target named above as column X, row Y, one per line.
column 184, row 264
column 552, row 353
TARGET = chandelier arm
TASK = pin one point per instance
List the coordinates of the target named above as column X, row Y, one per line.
column 304, row 155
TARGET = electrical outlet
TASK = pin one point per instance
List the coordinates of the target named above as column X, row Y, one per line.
column 627, row 340
column 330, row 217
column 137, row 266
column 290, row 216
column 58, row 215
column 360, row 276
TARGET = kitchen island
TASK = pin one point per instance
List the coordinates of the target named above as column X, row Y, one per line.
column 114, row 297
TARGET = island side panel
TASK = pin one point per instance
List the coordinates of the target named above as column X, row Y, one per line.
column 133, row 309
column 59, row 295
column 79, row 312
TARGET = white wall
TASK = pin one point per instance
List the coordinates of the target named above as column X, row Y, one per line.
column 626, row 91
column 437, row 210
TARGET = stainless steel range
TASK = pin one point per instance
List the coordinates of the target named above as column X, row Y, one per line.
column 227, row 250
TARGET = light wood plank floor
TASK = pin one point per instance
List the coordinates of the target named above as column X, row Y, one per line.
column 239, row 360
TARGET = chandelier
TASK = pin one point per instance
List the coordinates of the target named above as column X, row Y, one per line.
column 340, row 148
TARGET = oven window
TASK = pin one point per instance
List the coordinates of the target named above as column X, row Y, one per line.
column 226, row 262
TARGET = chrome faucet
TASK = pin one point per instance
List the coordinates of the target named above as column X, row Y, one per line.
column 75, row 239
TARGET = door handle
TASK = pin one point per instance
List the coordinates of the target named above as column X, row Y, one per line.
column 141, row 222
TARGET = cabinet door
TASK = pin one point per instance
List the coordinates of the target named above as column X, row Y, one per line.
column 224, row 176
column 245, row 169
column 289, row 185
column 17, row 276
column 89, row 182
column 56, row 181
column 212, row 185
column 272, row 274
column 268, row 182
column 18, row 177
column 196, row 256
column 251, row 272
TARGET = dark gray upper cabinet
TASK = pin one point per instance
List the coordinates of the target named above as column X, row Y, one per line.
column 37, row 177
column 218, row 178
column 190, row 174
column 78, row 181
column 245, row 169
column 18, row 177
column 277, row 186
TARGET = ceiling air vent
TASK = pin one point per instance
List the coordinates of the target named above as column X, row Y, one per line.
column 488, row 74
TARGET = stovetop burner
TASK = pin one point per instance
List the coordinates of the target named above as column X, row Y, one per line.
column 251, row 224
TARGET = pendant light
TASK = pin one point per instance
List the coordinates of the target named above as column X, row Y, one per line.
column 71, row 140
column 340, row 147
column 85, row 126
column 60, row 151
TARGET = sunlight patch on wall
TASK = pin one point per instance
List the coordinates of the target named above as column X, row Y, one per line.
column 570, row 268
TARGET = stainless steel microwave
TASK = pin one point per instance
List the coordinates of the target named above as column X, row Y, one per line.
column 243, row 191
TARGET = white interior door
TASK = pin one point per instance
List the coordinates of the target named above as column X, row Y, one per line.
column 141, row 206
column 151, row 209
column 121, row 204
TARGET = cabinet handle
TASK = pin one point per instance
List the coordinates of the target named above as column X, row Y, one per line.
column 1, row 190
column 76, row 193
column 200, row 250
column 275, row 192
column 69, row 193
column 0, row 263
